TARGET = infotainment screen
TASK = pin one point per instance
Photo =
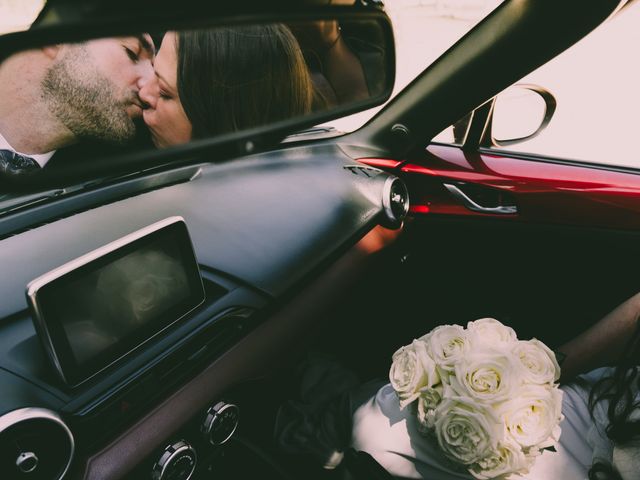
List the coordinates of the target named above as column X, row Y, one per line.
column 96, row 309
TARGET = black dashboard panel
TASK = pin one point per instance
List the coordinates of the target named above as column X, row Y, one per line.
column 265, row 220
column 265, row 229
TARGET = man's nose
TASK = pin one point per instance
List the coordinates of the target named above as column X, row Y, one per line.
column 149, row 92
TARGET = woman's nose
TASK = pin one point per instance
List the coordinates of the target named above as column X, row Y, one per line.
column 149, row 92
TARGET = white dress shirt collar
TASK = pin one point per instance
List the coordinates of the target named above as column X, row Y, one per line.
column 41, row 158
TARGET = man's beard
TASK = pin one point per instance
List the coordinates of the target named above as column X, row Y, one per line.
column 85, row 101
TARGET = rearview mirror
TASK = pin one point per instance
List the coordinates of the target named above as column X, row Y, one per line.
column 153, row 89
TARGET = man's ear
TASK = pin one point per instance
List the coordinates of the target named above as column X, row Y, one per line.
column 52, row 51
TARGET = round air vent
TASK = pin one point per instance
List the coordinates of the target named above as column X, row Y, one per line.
column 35, row 444
column 395, row 200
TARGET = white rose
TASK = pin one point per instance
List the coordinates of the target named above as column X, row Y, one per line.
column 539, row 362
column 506, row 459
column 466, row 432
column 412, row 369
column 490, row 332
column 486, row 377
column 447, row 345
column 428, row 401
column 532, row 417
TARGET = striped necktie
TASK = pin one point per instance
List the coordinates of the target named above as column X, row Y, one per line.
column 13, row 164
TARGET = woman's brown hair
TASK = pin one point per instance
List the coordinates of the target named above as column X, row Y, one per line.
column 236, row 78
column 620, row 391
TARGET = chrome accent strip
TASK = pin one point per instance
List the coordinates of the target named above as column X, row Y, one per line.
column 36, row 284
column 471, row 205
column 24, row 458
column 197, row 174
column 30, row 413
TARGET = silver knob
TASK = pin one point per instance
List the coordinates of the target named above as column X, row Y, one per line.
column 27, row 462
column 220, row 423
column 177, row 462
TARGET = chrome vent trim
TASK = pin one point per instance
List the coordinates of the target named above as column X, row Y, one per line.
column 21, row 415
column 395, row 201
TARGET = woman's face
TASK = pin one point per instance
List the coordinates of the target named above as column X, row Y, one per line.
column 165, row 116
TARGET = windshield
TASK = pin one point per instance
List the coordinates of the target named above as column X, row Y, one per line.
column 119, row 96
column 153, row 96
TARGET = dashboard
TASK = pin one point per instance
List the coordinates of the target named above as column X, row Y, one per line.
column 277, row 237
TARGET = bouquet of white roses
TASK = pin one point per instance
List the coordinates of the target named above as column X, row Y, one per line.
column 491, row 401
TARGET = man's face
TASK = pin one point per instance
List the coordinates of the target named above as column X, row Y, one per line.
column 92, row 87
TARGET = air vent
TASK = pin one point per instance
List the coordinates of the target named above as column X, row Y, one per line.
column 35, row 444
column 363, row 171
column 395, row 200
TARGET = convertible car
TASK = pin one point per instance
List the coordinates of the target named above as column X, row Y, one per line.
column 158, row 304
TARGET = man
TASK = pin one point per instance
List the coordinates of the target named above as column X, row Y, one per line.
column 55, row 96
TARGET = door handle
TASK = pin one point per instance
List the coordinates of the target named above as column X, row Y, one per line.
column 472, row 205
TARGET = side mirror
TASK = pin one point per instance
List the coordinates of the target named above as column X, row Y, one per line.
column 520, row 113
column 517, row 114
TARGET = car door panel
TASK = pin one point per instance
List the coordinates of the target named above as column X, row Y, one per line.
column 544, row 192
column 567, row 257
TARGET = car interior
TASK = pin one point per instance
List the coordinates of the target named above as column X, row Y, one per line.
column 295, row 242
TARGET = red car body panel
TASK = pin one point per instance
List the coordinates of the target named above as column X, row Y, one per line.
column 544, row 192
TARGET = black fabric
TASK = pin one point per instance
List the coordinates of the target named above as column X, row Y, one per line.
column 13, row 164
column 318, row 421
column 362, row 466
column 317, row 424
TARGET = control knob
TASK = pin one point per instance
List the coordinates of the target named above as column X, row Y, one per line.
column 177, row 462
column 220, row 423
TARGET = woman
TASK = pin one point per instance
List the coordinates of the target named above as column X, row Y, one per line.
column 209, row 82
column 600, row 433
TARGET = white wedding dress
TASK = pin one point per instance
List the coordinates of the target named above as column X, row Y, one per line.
column 391, row 436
